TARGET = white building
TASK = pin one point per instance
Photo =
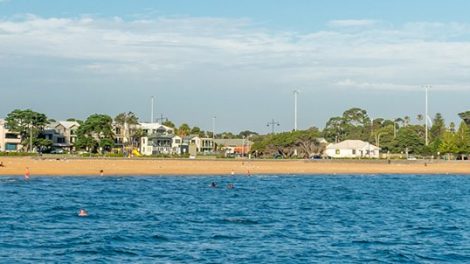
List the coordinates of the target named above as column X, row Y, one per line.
column 352, row 149
column 156, row 128
column 160, row 144
column 9, row 141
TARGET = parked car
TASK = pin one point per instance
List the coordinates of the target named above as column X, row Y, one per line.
column 57, row 151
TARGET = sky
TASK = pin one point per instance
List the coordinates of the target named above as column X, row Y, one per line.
column 236, row 60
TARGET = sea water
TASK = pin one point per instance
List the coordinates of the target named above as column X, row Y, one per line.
column 264, row 219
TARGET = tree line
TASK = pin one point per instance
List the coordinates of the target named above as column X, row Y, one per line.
column 399, row 135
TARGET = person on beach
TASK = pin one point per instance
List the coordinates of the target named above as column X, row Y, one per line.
column 27, row 173
column 1, row 164
column 82, row 213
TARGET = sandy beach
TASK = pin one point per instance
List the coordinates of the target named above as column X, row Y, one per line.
column 92, row 167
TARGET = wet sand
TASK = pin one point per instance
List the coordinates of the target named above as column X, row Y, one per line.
column 92, row 167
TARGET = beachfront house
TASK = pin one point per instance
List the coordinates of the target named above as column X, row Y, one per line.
column 156, row 129
column 234, row 147
column 352, row 149
column 63, row 134
column 160, row 144
column 9, row 141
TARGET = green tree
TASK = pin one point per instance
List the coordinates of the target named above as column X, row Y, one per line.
column 463, row 139
column 168, row 123
column 438, row 127
column 184, row 130
column 195, row 131
column 465, row 117
column 449, row 144
column 27, row 123
column 96, row 133
column 409, row 138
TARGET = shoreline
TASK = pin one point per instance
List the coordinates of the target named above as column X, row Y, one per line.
column 48, row 166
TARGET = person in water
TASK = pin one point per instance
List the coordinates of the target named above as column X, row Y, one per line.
column 101, row 172
column 230, row 186
column 27, row 173
column 213, row 185
column 82, row 213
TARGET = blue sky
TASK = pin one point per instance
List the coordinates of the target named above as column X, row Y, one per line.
column 238, row 60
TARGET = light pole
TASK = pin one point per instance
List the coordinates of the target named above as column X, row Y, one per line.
column 213, row 127
column 273, row 123
column 378, row 138
column 296, row 93
column 152, row 102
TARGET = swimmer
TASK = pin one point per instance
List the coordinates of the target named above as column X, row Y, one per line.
column 26, row 173
column 101, row 172
column 230, row 186
column 213, row 185
column 233, row 173
column 82, row 213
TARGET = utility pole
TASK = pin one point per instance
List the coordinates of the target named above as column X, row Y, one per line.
column 161, row 119
column 296, row 93
column 152, row 102
column 273, row 124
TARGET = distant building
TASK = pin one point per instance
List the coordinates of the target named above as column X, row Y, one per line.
column 63, row 134
column 156, row 129
column 160, row 144
column 9, row 141
column 352, row 149
column 235, row 146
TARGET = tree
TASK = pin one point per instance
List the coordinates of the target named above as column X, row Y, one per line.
column 465, row 117
column 168, row 123
column 463, row 139
column 246, row 134
column 449, row 144
column 409, row 138
column 42, row 144
column 96, row 133
column 127, row 122
column 27, row 123
column 184, row 130
column 438, row 127
column 195, row 131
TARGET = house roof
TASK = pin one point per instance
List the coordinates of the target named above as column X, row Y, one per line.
column 233, row 142
column 352, row 144
column 68, row 124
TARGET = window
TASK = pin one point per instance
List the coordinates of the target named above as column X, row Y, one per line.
column 11, row 136
column 60, row 140
column 11, row 146
column 177, row 141
column 354, row 152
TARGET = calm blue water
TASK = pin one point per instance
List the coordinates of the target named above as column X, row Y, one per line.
column 270, row 219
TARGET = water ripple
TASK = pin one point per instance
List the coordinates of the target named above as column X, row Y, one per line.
column 265, row 219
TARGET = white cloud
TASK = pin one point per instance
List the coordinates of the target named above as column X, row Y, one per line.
column 352, row 23
column 376, row 57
